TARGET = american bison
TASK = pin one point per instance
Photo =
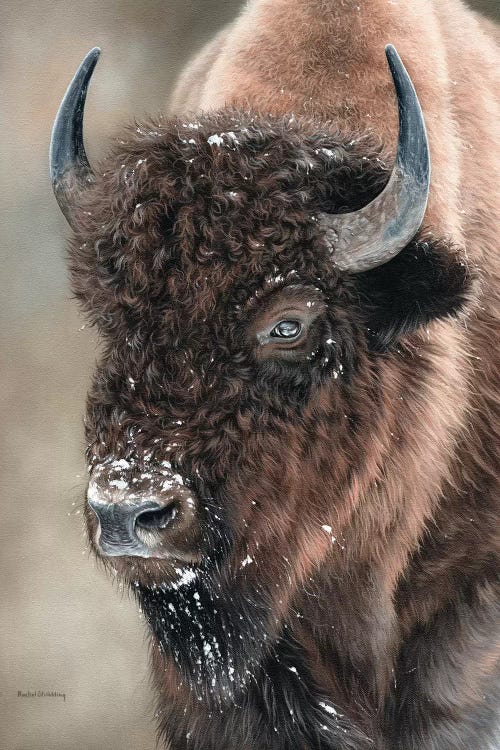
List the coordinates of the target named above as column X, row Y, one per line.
column 293, row 429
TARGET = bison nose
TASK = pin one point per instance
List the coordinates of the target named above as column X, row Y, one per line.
column 127, row 528
column 157, row 518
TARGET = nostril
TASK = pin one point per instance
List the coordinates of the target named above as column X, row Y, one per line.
column 156, row 519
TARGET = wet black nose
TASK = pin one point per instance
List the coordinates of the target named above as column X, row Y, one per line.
column 127, row 528
column 142, row 511
column 156, row 518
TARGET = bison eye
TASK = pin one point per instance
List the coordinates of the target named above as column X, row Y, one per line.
column 285, row 324
column 286, row 329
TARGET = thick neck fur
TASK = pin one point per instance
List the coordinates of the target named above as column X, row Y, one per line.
column 225, row 683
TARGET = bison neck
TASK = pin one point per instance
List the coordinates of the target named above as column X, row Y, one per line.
column 224, row 683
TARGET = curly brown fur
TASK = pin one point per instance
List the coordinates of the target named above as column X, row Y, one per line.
column 335, row 476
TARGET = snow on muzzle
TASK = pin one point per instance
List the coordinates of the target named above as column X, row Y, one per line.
column 149, row 513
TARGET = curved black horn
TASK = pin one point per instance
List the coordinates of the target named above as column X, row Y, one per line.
column 70, row 170
column 376, row 233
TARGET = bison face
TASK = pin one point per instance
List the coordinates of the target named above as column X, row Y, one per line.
column 201, row 260
column 242, row 403
column 239, row 407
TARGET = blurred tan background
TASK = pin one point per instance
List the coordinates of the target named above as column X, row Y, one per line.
column 63, row 627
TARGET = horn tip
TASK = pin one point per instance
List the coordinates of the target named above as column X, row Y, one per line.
column 89, row 61
column 94, row 52
column 391, row 53
column 86, row 67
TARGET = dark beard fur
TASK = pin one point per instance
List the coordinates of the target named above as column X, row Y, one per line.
column 253, row 690
column 216, row 639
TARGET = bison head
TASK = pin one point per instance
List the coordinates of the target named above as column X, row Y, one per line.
column 251, row 277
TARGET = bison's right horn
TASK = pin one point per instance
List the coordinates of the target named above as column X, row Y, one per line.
column 70, row 170
column 367, row 238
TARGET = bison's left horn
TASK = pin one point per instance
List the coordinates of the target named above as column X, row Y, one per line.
column 376, row 233
column 70, row 170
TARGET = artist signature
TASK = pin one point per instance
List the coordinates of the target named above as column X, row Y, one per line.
column 41, row 694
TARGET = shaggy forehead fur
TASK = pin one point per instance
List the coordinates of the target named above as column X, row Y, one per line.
column 185, row 214
column 188, row 228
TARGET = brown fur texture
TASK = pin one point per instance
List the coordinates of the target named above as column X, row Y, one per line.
column 347, row 591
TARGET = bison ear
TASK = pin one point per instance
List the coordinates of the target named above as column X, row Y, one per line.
column 427, row 280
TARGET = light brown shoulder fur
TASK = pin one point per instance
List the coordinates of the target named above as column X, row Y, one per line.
column 189, row 88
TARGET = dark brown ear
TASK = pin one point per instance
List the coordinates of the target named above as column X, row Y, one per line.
column 427, row 280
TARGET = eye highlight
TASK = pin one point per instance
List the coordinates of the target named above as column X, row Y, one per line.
column 285, row 326
column 286, row 329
